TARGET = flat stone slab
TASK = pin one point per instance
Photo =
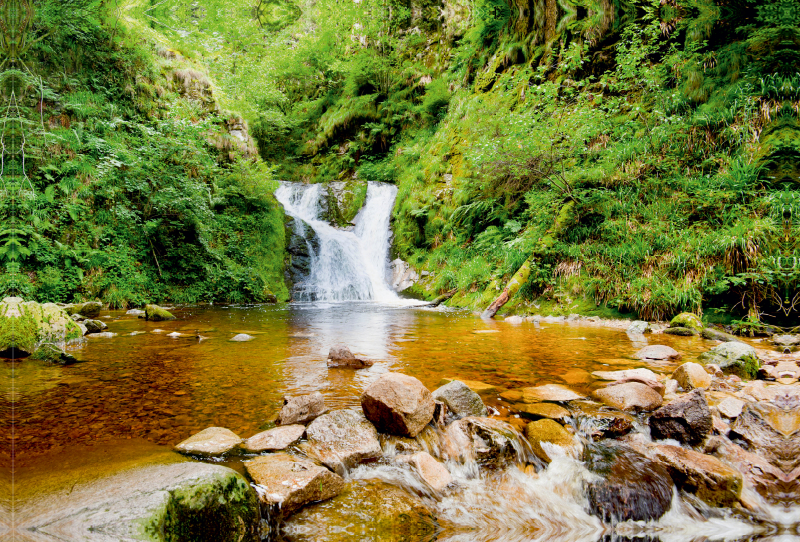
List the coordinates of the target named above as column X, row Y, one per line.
column 543, row 410
column 432, row 472
column 301, row 408
column 625, row 373
column 210, row 441
column 342, row 439
column 278, row 438
column 474, row 385
column 549, row 392
column 730, row 407
column 631, row 396
column 657, row 352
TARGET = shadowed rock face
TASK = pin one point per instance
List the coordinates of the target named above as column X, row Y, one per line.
column 398, row 404
column 772, row 430
column 632, row 487
column 686, row 419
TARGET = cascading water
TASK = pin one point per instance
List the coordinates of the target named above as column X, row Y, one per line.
column 345, row 265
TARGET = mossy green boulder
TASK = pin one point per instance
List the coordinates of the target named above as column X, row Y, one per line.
column 27, row 326
column 687, row 320
column 90, row 309
column 734, row 358
column 154, row 313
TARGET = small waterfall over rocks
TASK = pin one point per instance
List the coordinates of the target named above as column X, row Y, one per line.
column 342, row 264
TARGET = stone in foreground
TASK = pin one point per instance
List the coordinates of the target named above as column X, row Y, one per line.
column 658, row 352
column 398, row 404
column 730, row 407
column 710, row 479
column 278, row 438
column 291, row 483
column 547, row 431
column 460, row 400
column 632, row 396
column 485, row 440
column 431, row 471
column 686, row 419
column 179, row 501
column 692, row 375
column 94, row 326
column 301, row 409
column 342, row 439
column 211, row 441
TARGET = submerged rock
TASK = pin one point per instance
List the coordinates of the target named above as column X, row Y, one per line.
column 681, row 331
column 549, row 392
column 180, row 501
column 658, row 352
column 278, row 438
column 686, row 419
column 485, row 440
column 291, row 483
column 474, row 385
column 734, row 357
column 630, row 396
column 691, row 376
column 342, row 439
column 211, row 441
column 154, row 313
column 547, row 431
column 398, row 404
column 713, row 482
column 367, row 511
column 241, row 337
column 631, row 487
column 301, row 409
column 460, row 400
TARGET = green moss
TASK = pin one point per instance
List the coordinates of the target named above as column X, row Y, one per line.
column 154, row 313
column 687, row 320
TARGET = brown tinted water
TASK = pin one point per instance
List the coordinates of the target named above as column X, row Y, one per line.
column 155, row 388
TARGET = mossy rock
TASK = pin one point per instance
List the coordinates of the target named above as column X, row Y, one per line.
column 90, row 309
column 27, row 325
column 734, row 358
column 154, row 313
column 681, row 331
column 687, row 320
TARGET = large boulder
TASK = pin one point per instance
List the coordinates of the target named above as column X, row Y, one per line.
column 629, row 487
column 398, row 404
column 710, row 479
column 179, row 501
column 95, row 326
column 734, row 357
column 717, row 335
column 27, row 326
column 301, row 408
column 212, row 441
column 692, row 375
column 657, row 352
column 289, row 483
column 340, row 356
column 631, row 396
column 342, row 439
column 549, row 432
column 277, row 438
column 90, row 309
column 486, row 441
column 687, row 320
column 367, row 511
column 154, row 313
column 460, row 400
column 686, row 419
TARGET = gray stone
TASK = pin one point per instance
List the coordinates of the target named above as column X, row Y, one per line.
column 638, row 327
column 657, row 352
column 686, row 419
column 211, row 441
column 290, row 483
column 301, row 409
column 717, row 335
column 342, row 439
column 277, row 438
column 94, row 326
column 460, row 400
column 733, row 357
column 398, row 404
column 134, row 312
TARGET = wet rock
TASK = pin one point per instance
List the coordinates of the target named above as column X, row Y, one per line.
column 134, row 312
column 431, row 471
column 90, row 309
column 342, row 439
column 600, row 421
column 772, row 432
column 686, row 419
column 340, row 356
column 687, row 320
column 403, row 275
column 241, row 338
column 102, row 335
column 543, row 410
column 548, row 392
column 94, row 326
column 77, row 317
column 301, row 409
column 300, row 235
column 514, row 320
column 154, row 313
column 367, row 511
column 717, row 335
column 290, row 483
column 625, row 373
column 278, row 438
column 713, row 482
column 631, row 396
column 179, row 501
column 631, row 487
column 734, row 357
column 680, row 331
column 211, row 441
column 638, row 327
column 474, row 385
column 730, row 407
column 691, row 376
column 550, row 432
column 670, row 387
column 714, row 370
column 656, row 386
column 398, row 404
column 392, row 444
column 485, row 440
column 460, row 400
column 657, row 352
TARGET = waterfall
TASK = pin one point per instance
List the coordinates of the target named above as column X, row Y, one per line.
column 345, row 265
